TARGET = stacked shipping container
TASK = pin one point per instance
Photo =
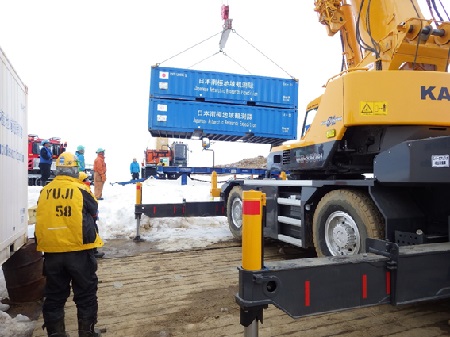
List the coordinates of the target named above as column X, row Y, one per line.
column 222, row 106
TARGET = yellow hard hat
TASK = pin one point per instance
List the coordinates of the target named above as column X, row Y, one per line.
column 67, row 159
column 82, row 176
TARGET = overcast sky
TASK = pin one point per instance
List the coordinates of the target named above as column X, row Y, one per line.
column 87, row 63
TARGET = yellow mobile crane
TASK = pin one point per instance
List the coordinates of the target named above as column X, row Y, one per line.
column 385, row 116
column 369, row 184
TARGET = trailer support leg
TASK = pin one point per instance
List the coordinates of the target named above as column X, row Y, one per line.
column 138, row 215
column 137, row 238
column 215, row 192
column 183, row 179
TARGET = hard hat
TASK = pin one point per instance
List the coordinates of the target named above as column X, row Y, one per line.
column 82, row 176
column 45, row 141
column 67, row 159
column 99, row 150
column 80, row 148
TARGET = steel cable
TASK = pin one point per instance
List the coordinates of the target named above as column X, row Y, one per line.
column 263, row 54
column 197, row 44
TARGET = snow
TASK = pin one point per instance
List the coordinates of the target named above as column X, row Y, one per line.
column 116, row 214
column 116, row 221
column 20, row 326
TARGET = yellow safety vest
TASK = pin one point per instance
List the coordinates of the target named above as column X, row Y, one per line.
column 59, row 218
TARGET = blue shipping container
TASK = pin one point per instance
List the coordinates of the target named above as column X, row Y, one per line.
column 227, row 122
column 210, row 86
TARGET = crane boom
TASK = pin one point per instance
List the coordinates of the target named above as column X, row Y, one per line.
column 386, row 34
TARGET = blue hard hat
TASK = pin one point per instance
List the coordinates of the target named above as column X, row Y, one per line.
column 80, row 148
column 45, row 141
column 99, row 150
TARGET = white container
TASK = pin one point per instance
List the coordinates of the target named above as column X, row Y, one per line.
column 13, row 160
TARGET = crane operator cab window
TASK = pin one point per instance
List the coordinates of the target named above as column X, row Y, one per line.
column 310, row 114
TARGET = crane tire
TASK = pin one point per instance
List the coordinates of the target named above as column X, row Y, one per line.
column 343, row 220
column 234, row 212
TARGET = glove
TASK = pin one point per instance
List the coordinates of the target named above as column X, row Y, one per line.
column 103, row 176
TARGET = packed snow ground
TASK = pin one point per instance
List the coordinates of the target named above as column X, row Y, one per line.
column 116, row 221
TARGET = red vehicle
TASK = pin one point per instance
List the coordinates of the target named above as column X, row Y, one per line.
column 175, row 155
column 34, row 149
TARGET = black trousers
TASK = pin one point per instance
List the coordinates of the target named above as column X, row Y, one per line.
column 63, row 270
column 135, row 175
column 45, row 172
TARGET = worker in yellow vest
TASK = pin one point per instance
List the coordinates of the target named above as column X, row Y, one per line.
column 66, row 234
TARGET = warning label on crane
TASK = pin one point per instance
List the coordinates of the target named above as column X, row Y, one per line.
column 369, row 108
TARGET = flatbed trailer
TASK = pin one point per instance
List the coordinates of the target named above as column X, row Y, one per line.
column 180, row 170
column 163, row 172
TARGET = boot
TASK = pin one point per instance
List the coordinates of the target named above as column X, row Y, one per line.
column 56, row 329
column 86, row 329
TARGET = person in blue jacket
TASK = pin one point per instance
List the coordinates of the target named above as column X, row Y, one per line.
column 134, row 169
column 80, row 155
column 45, row 161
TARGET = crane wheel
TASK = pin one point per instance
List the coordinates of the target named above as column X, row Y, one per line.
column 343, row 220
column 234, row 212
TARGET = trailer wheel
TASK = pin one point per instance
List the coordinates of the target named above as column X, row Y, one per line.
column 343, row 220
column 234, row 212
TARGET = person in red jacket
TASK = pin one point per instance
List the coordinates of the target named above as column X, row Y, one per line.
column 99, row 173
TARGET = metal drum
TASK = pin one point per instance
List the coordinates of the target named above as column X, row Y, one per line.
column 23, row 274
